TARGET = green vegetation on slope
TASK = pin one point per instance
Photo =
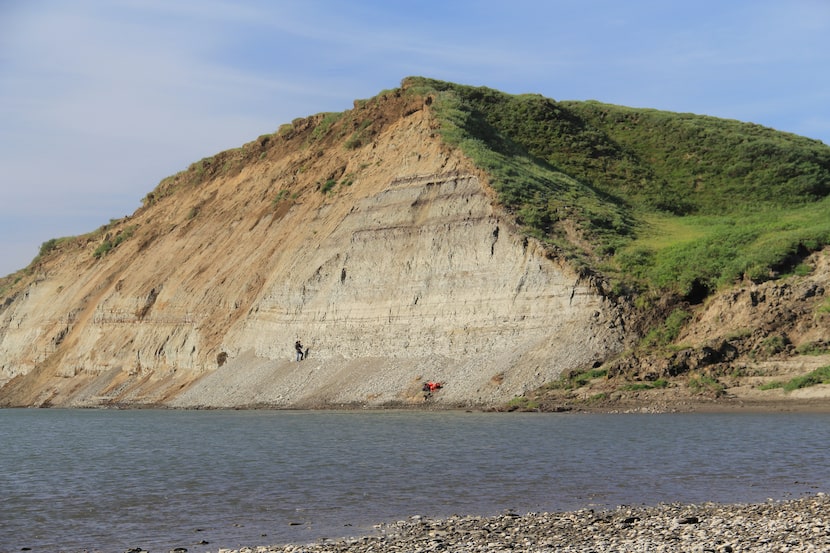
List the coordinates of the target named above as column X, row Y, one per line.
column 813, row 378
column 658, row 201
column 704, row 165
column 707, row 252
column 550, row 203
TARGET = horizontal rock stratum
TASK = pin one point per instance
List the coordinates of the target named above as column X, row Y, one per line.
column 379, row 247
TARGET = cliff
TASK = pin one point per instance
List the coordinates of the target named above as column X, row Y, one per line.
column 403, row 271
column 514, row 249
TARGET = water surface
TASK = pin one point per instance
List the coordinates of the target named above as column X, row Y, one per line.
column 105, row 480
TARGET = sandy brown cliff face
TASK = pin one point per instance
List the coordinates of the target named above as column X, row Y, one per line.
column 405, row 271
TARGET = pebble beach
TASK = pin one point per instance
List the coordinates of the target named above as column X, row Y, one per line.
column 797, row 525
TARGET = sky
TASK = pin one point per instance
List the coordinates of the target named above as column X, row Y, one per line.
column 102, row 99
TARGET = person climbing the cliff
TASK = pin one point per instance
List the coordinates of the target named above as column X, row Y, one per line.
column 299, row 347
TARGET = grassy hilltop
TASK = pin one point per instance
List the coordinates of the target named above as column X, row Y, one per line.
column 660, row 202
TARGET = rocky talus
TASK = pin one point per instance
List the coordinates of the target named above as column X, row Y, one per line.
column 800, row 525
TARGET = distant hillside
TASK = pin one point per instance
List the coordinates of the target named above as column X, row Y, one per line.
column 499, row 244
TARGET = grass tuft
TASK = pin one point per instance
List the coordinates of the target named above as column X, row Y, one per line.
column 818, row 376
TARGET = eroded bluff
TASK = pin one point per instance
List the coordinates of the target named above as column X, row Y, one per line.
column 390, row 261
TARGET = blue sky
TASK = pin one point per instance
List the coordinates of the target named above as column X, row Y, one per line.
column 101, row 99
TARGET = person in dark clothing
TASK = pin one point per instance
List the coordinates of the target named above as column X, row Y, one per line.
column 299, row 347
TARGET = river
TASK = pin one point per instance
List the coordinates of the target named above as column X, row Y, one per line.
column 111, row 480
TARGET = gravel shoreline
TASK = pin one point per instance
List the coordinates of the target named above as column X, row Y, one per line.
column 776, row 526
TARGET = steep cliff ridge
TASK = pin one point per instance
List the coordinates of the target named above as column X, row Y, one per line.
column 387, row 258
column 516, row 249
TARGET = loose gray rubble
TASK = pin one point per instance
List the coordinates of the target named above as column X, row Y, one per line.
column 800, row 525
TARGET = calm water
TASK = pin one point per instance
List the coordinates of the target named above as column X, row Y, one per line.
column 113, row 480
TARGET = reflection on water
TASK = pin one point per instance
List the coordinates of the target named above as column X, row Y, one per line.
column 112, row 480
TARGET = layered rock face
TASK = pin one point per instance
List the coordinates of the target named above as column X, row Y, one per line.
column 389, row 260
